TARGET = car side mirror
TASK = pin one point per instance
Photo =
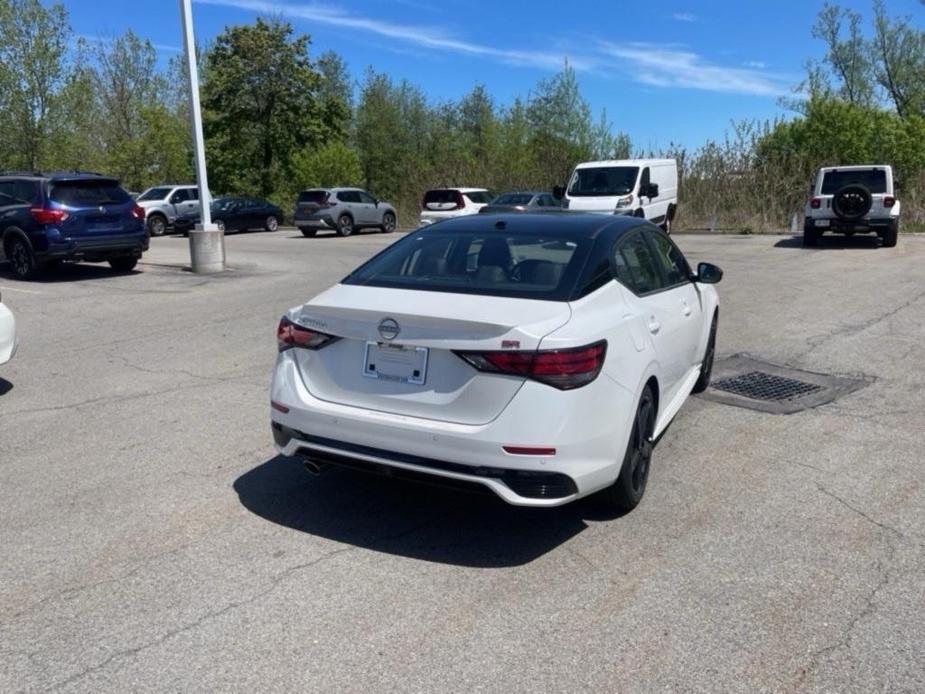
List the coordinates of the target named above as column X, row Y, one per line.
column 649, row 191
column 708, row 273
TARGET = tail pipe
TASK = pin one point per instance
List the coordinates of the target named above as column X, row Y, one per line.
column 316, row 467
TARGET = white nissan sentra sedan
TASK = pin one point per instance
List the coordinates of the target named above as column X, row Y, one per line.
column 537, row 355
column 7, row 333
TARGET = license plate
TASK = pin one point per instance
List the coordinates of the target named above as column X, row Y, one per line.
column 396, row 363
column 822, row 222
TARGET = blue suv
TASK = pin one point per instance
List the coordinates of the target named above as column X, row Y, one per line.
column 47, row 218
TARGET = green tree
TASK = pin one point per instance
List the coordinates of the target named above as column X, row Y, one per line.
column 33, row 45
column 848, row 55
column 899, row 53
column 260, row 105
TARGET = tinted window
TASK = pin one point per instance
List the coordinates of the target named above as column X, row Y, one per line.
column 606, row 180
column 673, row 263
column 636, row 266
column 154, row 194
column 441, row 199
column 479, row 197
column 348, row 196
column 874, row 181
column 192, row 193
column 226, row 204
column 17, row 192
column 366, row 198
column 87, row 193
column 179, row 196
column 513, row 199
column 315, row 196
column 525, row 266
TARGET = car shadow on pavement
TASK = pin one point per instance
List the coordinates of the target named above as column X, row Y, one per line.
column 5, row 386
column 71, row 272
column 406, row 519
column 863, row 241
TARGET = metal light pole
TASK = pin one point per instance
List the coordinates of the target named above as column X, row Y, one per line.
column 206, row 241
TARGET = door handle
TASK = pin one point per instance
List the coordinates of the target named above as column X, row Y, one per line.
column 686, row 309
column 654, row 326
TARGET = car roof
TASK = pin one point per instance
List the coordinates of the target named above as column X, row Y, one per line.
column 572, row 224
column 460, row 189
column 522, row 192
column 856, row 167
column 624, row 162
column 57, row 176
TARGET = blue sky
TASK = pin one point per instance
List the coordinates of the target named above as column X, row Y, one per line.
column 665, row 70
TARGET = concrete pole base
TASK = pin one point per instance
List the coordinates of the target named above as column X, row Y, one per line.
column 207, row 250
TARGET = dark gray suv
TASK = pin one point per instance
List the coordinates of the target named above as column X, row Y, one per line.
column 342, row 210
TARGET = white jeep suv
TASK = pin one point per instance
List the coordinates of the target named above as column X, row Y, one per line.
column 851, row 200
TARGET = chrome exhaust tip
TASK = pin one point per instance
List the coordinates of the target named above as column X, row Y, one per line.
column 315, row 467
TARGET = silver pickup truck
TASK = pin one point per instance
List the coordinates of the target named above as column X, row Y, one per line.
column 164, row 204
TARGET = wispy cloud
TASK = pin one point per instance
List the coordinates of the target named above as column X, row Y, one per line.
column 675, row 67
column 756, row 64
column 423, row 36
column 162, row 47
column 684, row 17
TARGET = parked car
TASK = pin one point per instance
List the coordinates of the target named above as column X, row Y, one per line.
column 8, row 342
column 539, row 356
column 343, row 210
column 521, row 202
column 237, row 214
column 851, row 200
column 644, row 188
column 47, row 218
column 164, row 204
column 446, row 203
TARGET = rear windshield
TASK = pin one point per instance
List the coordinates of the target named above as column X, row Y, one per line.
column 316, row 196
column 525, row 266
column 154, row 194
column 88, row 193
column 441, row 199
column 479, row 197
column 606, row 180
column 874, row 181
column 513, row 199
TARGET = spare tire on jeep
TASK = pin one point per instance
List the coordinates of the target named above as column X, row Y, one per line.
column 852, row 201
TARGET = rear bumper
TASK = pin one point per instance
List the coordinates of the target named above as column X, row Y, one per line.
column 842, row 225
column 95, row 247
column 589, row 446
column 316, row 222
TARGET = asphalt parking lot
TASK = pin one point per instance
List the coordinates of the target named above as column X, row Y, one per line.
column 152, row 540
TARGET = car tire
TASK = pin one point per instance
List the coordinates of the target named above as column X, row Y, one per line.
column 706, row 366
column 157, row 225
column 344, row 225
column 22, row 260
column 810, row 236
column 220, row 224
column 308, row 233
column 891, row 235
column 272, row 223
column 630, row 486
column 388, row 222
column 123, row 263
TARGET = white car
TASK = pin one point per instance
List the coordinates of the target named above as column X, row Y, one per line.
column 446, row 203
column 851, row 200
column 537, row 355
column 165, row 204
column 645, row 188
column 8, row 341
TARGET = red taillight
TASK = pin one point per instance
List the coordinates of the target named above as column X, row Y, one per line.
column 137, row 212
column 43, row 215
column 889, row 202
column 560, row 368
column 279, row 407
column 289, row 335
column 529, row 450
column 815, row 203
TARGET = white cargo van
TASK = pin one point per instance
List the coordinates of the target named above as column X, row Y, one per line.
column 645, row 188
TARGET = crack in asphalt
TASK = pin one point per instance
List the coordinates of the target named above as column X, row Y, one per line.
column 209, row 616
column 856, row 328
column 859, row 512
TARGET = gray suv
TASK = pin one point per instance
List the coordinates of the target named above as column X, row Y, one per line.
column 163, row 205
column 343, row 210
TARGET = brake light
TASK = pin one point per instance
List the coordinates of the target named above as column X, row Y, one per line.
column 137, row 212
column 815, row 203
column 528, row 450
column 564, row 369
column 888, row 201
column 44, row 215
column 289, row 335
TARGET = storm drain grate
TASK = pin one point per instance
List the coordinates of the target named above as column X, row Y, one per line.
column 760, row 385
column 744, row 381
